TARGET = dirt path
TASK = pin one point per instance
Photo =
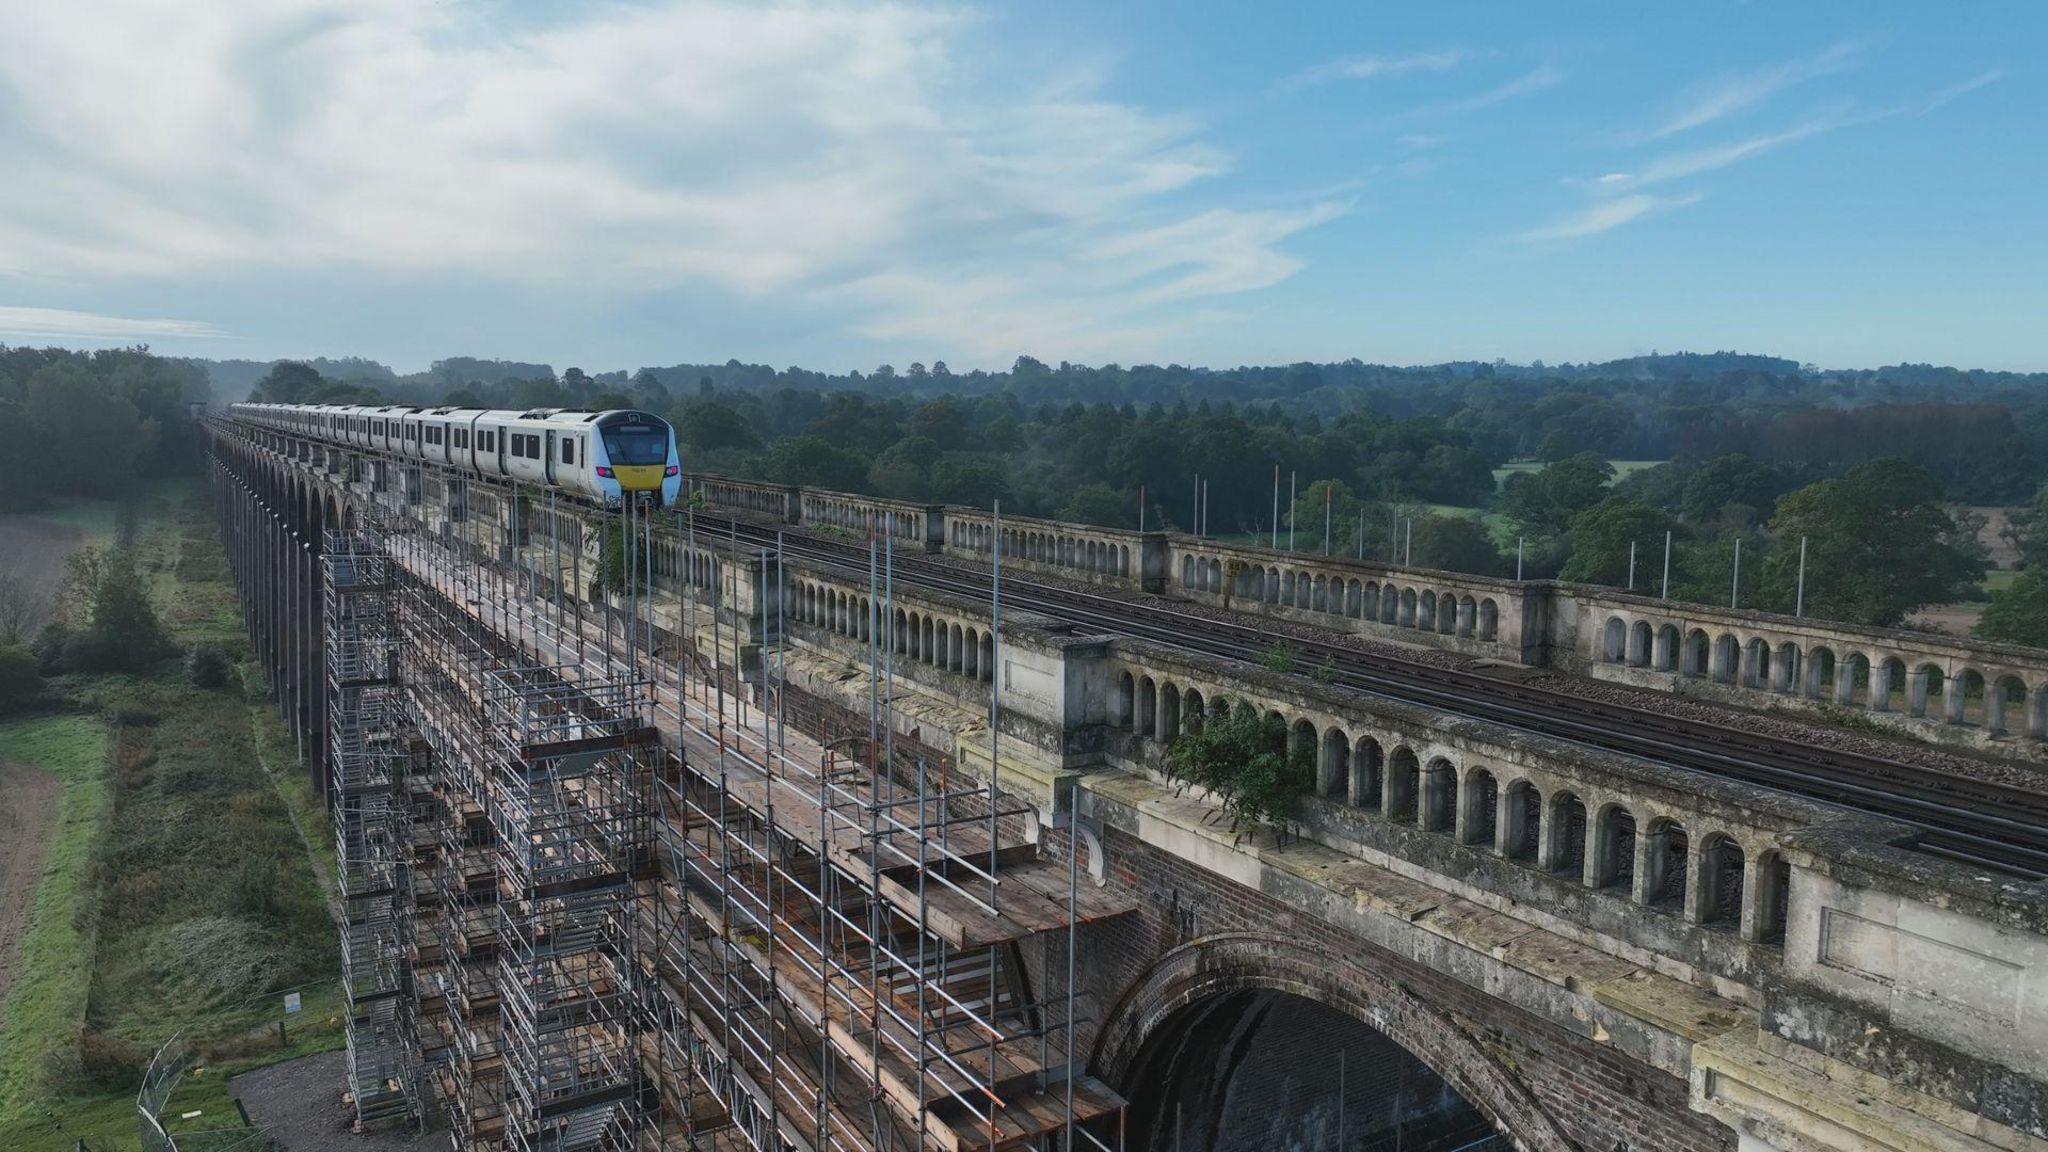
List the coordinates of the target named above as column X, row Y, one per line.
column 28, row 821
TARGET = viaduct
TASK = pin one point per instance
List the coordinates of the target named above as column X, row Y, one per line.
column 717, row 827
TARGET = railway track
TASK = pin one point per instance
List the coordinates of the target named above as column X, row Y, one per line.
column 1977, row 823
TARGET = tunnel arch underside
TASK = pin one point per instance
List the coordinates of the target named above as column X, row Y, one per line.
column 1205, row 971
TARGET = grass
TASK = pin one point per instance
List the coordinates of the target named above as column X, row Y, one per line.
column 1622, row 468
column 180, row 892
column 1999, row 579
column 46, row 1008
column 94, row 518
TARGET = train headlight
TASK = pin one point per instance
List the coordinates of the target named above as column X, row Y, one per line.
column 672, row 470
column 604, row 471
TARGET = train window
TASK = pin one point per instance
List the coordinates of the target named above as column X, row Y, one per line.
column 568, row 452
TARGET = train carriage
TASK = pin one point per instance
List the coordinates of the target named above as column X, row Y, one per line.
column 598, row 455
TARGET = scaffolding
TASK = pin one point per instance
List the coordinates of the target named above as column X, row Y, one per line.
column 365, row 747
column 617, row 901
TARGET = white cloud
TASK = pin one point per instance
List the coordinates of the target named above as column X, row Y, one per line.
column 60, row 323
column 1683, row 164
column 793, row 149
column 1603, row 216
column 1733, row 95
column 1535, row 80
column 1372, row 67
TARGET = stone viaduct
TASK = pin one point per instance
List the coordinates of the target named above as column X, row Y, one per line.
column 1588, row 951
column 1929, row 685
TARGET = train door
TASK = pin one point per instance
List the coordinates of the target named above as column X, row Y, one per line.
column 548, row 455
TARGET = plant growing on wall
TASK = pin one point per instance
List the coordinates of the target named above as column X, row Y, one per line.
column 1243, row 759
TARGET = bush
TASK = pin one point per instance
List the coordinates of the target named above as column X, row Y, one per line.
column 49, row 648
column 209, row 666
column 255, row 889
column 21, row 681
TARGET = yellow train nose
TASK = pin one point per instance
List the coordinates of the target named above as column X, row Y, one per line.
column 639, row 477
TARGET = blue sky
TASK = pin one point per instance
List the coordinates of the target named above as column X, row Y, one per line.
column 840, row 184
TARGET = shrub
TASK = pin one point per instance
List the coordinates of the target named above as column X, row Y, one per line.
column 49, row 648
column 21, row 681
column 209, row 666
column 1278, row 658
column 255, row 888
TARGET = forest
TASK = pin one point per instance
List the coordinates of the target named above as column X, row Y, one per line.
column 1490, row 468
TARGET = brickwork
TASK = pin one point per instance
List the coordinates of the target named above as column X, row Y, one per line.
column 1548, row 1088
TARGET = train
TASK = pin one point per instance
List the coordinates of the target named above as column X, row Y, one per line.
column 599, row 455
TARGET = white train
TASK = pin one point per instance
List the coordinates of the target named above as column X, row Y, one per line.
column 601, row 455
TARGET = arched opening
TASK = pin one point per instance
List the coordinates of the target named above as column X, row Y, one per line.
column 1333, row 768
column 1698, row 651
column 1402, row 773
column 1301, row 739
column 1148, row 696
column 1721, row 882
column 1193, row 711
column 1169, row 712
column 1489, row 619
column 1756, row 663
column 1773, row 896
column 1966, row 703
column 1425, row 611
column 1665, row 652
column 1615, row 644
column 1568, row 835
column 1819, row 676
column 1407, row 608
column 1924, row 691
column 1126, row 701
column 1727, row 658
column 1481, row 808
column 1785, row 668
column 1524, row 821
column 2006, row 701
column 1669, row 856
column 1439, row 796
column 1615, row 862
column 1639, row 644
column 1255, row 1069
column 1367, row 768
column 1852, row 680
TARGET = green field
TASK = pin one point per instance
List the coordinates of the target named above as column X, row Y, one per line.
column 1622, row 468
column 181, row 892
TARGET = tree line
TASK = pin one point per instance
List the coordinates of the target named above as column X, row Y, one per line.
column 1875, row 522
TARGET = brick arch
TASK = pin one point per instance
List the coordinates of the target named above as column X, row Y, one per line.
column 1235, row 962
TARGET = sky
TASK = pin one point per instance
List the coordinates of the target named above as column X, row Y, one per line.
column 840, row 184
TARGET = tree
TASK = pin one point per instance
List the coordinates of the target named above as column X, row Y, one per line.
column 288, row 382
column 1243, row 759
column 77, row 416
column 2018, row 613
column 27, row 589
column 20, row 680
column 1344, row 517
column 1546, row 501
column 970, row 480
column 1601, row 537
column 816, row 462
column 115, row 627
column 1453, row 544
column 1879, row 545
column 209, row 665
column 1096, row 504
column 2026, row 528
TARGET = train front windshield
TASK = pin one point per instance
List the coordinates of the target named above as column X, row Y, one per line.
column 631, row 445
